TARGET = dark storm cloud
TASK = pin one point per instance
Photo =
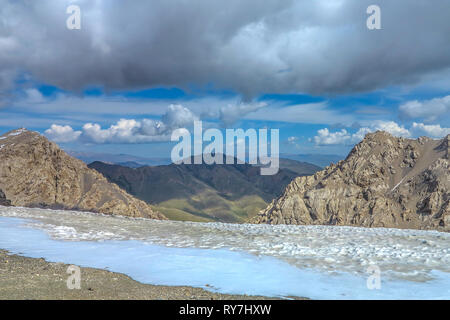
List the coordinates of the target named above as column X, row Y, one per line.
column 251, row 46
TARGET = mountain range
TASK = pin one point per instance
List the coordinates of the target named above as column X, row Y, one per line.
column 200, row 192
column 385, row 181
column 132, row 161
column 122, row 159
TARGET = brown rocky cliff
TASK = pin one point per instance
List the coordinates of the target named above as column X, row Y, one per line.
column 384, row 182
column 36, row 172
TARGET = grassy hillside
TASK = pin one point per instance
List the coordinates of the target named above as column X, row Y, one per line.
column 211, row 207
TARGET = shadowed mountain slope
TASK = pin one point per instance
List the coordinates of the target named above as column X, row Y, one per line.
column 201, row 192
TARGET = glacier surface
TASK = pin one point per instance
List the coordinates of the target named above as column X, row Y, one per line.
column 318, row 262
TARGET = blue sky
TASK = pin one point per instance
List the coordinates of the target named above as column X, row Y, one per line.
column 314, row 71
column 40, row 105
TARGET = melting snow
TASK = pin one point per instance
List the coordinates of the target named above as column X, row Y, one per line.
column 17, row 132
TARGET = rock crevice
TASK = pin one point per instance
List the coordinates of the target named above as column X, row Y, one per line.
column 3, row 201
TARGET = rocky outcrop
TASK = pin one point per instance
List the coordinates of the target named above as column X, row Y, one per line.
column 384, row 182
column 35, row 172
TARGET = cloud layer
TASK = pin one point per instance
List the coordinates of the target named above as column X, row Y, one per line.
column 126, row 130
column 325, row 137
column 249, row 46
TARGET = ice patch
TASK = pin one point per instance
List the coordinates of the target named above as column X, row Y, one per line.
column 311, row 261
column 401, row 254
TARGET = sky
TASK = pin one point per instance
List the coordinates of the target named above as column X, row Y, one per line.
column 133, row 73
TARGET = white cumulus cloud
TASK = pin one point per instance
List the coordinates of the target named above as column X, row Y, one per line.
column 435, row 131
column 390, row 126
column 63, row 134
column 127, row 130
column 343, row 137
column 429, row 110
column 325, row 137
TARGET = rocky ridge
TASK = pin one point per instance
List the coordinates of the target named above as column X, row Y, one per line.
column 384, row 182
column 35, row 172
